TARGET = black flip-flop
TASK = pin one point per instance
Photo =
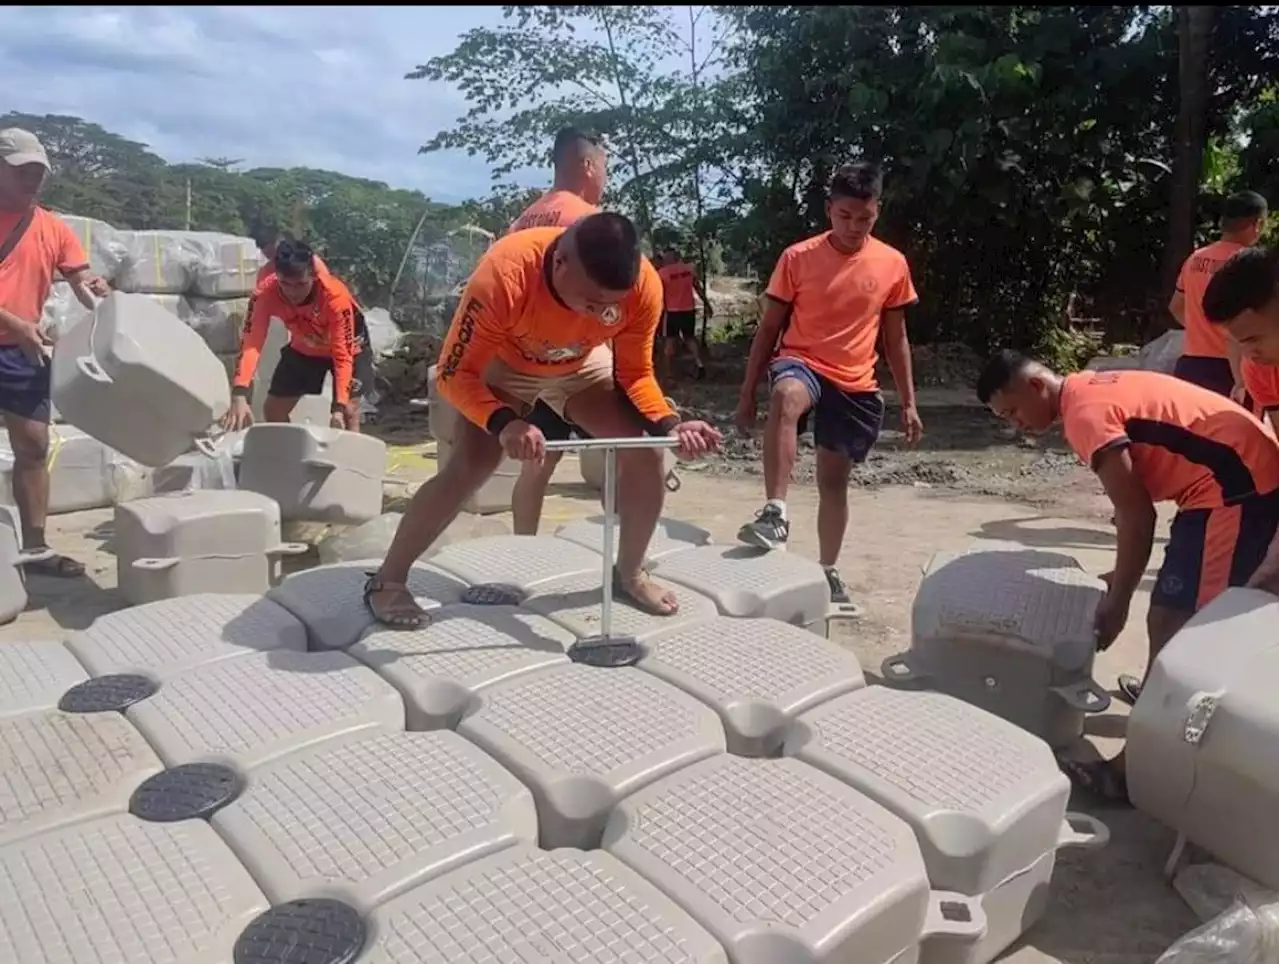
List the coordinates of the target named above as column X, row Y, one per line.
column 1129, row 688
column 1100, row 778
column 57, row 567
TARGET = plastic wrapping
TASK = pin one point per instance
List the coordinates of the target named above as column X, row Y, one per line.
column 83, row 473
column 217, row 322
column 1242, row 918
column 384, row 334
column 180, row 262
column 105, row 246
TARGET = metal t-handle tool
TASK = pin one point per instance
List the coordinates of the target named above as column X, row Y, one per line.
column 605, row 649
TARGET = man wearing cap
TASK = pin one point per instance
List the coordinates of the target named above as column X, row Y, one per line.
column 33, row 245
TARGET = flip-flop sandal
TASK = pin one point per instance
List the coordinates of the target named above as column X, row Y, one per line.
column 1100, row 778
column 620, row 591
column 57, row 567
column 397, row 615
column 1129, row 688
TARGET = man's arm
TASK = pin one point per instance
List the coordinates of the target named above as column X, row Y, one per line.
column 701, row 289
column 478, row 329
column 633, row 357
column 342, row 349
column 251, row 343
column 1135, row 518
column 897, row 351
column 764, row 343
column 1178, row 303
column 85, row 286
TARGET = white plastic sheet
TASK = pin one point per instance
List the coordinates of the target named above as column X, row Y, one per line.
column 1242, row 919
column 103, row 244
column 203, row 263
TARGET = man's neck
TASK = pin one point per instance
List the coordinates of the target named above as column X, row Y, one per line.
column 558, row 185
column 1232, row 237
column 845, row 248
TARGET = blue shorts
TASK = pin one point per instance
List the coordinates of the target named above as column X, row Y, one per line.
column 24, row 385
column 847, row 423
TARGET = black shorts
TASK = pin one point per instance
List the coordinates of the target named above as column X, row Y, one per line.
column 24, row 385
column 297, row 374
column 1211, row 373
column 553, row 427
column 680, row 324
column 847, row 423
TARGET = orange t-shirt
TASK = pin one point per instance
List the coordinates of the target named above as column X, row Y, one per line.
column 268, row 271
column 26, row 276
column 837, row 301
column 322, row 327
column 555, row 209
column 509, row 312
column 1189, row 445
column 1261, row 383
column 1203, row 339
column 678, row 286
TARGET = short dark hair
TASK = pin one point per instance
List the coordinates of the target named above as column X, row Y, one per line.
column 265, row 235
column 571, row 143
column 1246, row 282
column 863, row 182
column 999, row 371
column 608, row 247
column 1242, row 207
column 293, row 258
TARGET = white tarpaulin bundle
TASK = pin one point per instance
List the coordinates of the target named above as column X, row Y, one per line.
column 105, row 246
column 202, row 263
column 218, row 322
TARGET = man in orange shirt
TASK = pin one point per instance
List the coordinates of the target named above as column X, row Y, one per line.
column 1154, row 438
column 268, row 238
column 580, row 171
column 34, row 244
column 680, row 321
column 1207, row 359
column 827, row 302
column 532, row 326
column 319, row 313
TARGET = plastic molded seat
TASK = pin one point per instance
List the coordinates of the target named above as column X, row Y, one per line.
column 364, row 818
column 574, row 603
column 521, row 561
column 330, row 599
column 527, row 905
column 315, row 474
column 778, row 861
column 986, row 799
column 753, row 582
column 57, row 768
column 670, row 536
column 33, row 676
column 758, row 674
column 118, row 890
column 250, row 709
column 168, row 637
column 440, row 669
column 583, row 738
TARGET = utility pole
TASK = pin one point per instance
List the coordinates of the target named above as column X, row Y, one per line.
column 188, row 218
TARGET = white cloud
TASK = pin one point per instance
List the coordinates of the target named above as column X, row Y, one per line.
column 316, row 86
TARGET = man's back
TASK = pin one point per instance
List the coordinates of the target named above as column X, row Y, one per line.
column 1203, row 340
column 555, row 209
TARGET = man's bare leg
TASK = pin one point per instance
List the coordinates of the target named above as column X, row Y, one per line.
column 436, row 504
column 602, row 413
column 833, row 504
column 788, row 401
column 29, row 439
column 279, row 408
column 529, row 493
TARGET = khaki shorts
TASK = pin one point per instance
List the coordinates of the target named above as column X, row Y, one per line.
column 524, row 391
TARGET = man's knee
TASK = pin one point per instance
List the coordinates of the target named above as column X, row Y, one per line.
column 278, row 408
column 29, row 442
column 788, row 400
column 641, row 463
column 475, row 457
column 832, row 475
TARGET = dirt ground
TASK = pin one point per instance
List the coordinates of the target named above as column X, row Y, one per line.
column 971, row 481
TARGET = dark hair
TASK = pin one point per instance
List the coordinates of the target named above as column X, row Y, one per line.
column 571, row 143
column 863, row 182
column 1241, row 208
column 608, row 247
column 1246, row 282
column 265, row 235
column 293, row 258
column 998, row 372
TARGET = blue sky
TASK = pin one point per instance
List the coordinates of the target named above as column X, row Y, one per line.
column 322, row 87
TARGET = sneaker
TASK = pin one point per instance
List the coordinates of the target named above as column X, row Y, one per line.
column 768, row 531
column 839, row 591
column 1129, row 688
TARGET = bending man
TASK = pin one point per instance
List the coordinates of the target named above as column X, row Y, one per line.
column 531, row 327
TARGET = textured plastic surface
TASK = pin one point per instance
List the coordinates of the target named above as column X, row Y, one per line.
column 670, row 536
column 13, row 587
column 33, row 676
column 201, row 541
column 752, row 582
column 521, row 561
column 307, row 931
column 758, row 674
column 137, row 379
column 162, row 639
column 330, row 599
column 583, row 738
column 315, row 474
column 250, row 709
column 527, row 905
column 778, row 861
column 193, row 791
column 986, row 799
column 1201, row 750
column 119, row 890
column 574, row 603
column 106, row 694
column 440, row 669
column 1003, row 629
column 366, row 818
column 57, row 768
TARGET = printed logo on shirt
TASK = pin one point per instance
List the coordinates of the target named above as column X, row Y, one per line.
column 466, row 331
column 868, row 285
column 546, row 353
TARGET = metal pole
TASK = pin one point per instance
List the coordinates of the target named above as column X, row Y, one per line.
column 610, row 505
